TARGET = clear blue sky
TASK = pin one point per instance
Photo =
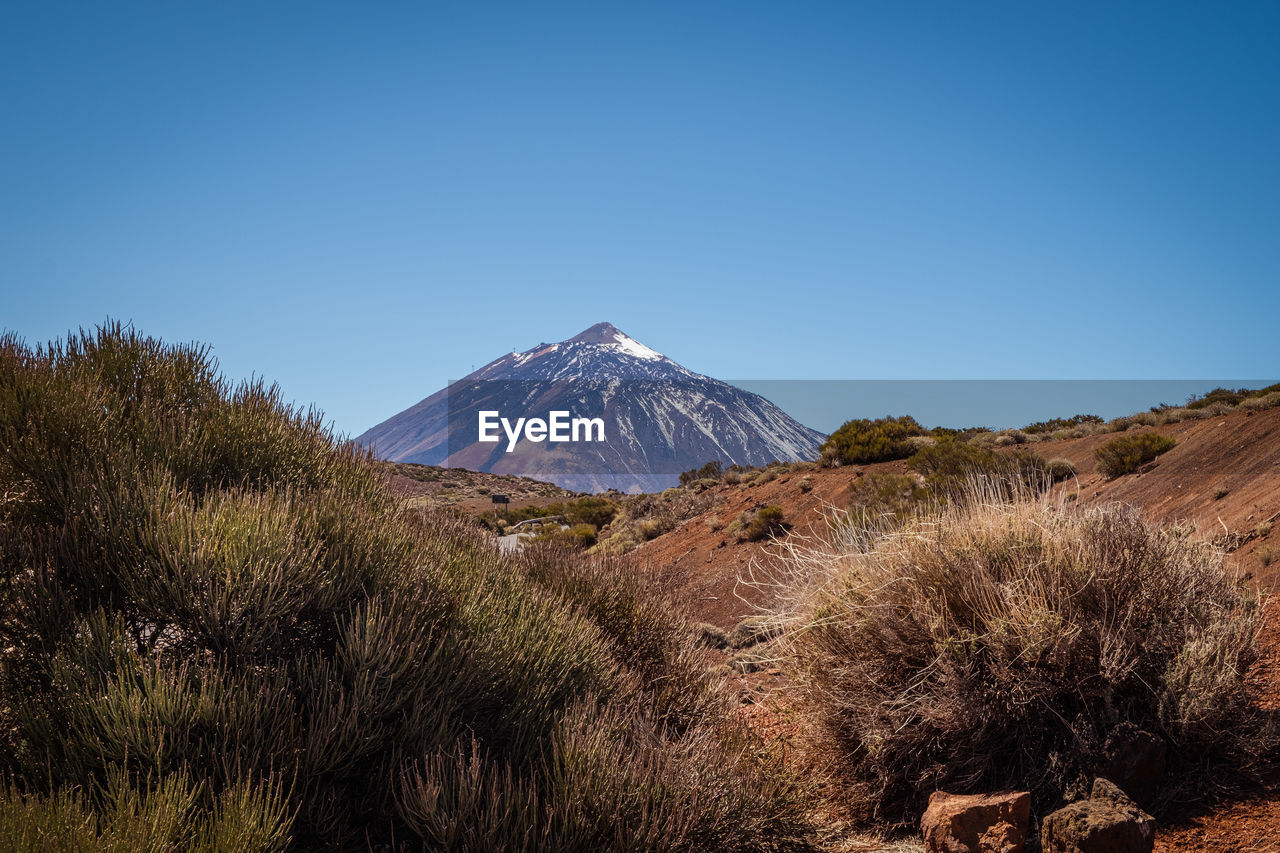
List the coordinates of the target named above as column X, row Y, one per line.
column 361, row 201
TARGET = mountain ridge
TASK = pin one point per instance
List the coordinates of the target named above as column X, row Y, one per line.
column 661, row 417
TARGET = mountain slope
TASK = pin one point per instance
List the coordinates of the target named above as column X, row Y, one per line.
column 659, row 418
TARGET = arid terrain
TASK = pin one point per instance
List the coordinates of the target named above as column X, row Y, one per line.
column 1238, row 452
column 1223, row 477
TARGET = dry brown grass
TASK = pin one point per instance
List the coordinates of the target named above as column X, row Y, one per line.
column 998, row 644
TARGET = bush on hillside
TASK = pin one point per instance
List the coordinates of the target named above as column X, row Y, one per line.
column 713, row 470
column 883, row 500
column 1000, row 647
column 1055, row 424
column 864, row 441
column 1127, row 454
column 1060, row 469
column 219, row 630
column 762, row 523
column 950, row 469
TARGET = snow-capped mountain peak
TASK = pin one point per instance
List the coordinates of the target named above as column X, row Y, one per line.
column 660, row 417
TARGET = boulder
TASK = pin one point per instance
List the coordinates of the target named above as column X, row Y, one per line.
column 976, row 823
column 1135, row 761
column 1107, row 822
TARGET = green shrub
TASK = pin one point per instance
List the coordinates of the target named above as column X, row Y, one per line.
column 1126, row 454
column 574, row 536
column 1219, row 395
column 999, row 647
column 713, row 470
column 220, row 630
column 1056, row 424
column 763, row 523
column 863, row 441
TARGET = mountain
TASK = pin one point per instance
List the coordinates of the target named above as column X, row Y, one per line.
column 650, row 418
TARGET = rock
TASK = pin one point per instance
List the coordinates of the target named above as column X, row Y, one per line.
column 1135, row 761
column 1107, row 822
column 976, row 823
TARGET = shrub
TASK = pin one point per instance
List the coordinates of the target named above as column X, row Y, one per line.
column 1219, row 395
column 574, row 536
column 998, row 649
column 863, row 441
column 713, row 470
column 886, row 500
column 1055, row 424
column 1126, row 454
column 950, row 470
column 1268, row 400
column 1060, row 469
column 763, row 523
column 220, row 630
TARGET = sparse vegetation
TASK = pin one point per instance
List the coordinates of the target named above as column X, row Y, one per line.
column 1127, row 454
column 713, row 470
column 762, row 523
column 219, row 630
column 641, row 518
column 949, row 469
column 883, row 499
column 999, row 648
column 1056, row 424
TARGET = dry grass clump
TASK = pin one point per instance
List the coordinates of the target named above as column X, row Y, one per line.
column 997, row 645
column 220, row 631
column 1060, row 469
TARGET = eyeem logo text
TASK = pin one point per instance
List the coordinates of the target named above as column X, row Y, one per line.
column 558, row 426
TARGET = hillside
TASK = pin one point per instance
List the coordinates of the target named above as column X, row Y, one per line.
column 1223, row 477
column 1239, row 452
column 430, row 485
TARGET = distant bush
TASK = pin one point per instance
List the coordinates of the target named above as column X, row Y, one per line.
column 1055, row 424
column 220, row 631
column 1125, row 455
column 1219, row 395
column 641, row 518
column 1262, row 401
column 762, row 524
column 713, row 470
column 1060, row 469
column 1001, row 646
column 596, row 511
column 864, row 441
column 574, row 536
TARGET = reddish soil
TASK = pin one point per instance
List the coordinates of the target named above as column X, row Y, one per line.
column 1239, row 452
column 1223, row 477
